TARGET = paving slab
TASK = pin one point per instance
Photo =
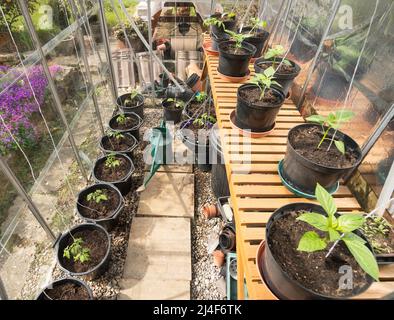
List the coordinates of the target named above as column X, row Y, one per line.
column 168, row 194
column 159, row 248
column 154, row 289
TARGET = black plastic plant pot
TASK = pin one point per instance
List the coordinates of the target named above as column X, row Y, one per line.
column 278, row 280
column 230, row 24
column 258, row 39
column 219, row 182
column 110, row 219
column 66, row 239
column 235, row 65
column 385, row 258
column 124, row 183
column 256, row 118
column 106, row 147
column 171, row 114
column 304, row 174
column 134, row 130
column 79, row 285
column 138, row 108
column 284, row 79
column 200, row 149
column 217, row 39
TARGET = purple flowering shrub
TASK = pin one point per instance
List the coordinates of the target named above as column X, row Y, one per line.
column 17, row 104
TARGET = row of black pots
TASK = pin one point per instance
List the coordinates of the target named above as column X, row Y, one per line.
column 120, row 187
column 276, row 276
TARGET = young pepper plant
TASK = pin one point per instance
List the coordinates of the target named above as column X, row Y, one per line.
column 178, row 103
column 257, row 23
column 332, row 121
column 201, row 97
column 115, row 134
column 204, row 119
column 134, row 93
column 213, row 21
column 77, row 251
column 111, row 161
column 97, row 196
column 265, row 80
column 332, row 228
column 121, row 119
column 238, row 38
column 276, row 52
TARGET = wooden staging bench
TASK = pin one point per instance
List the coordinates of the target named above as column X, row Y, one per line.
column 256, row 189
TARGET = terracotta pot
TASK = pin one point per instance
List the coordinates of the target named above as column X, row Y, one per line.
column 218, row 258
column 210, row 211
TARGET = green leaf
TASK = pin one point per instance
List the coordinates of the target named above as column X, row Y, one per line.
column 316, row 118
column 311, row 242
column 340, row 146
column 344, row 115
column 363, row 256
column 325, row 200
column 355, row 237
column 333, row 234
column 316, row 220
column 350, row 222
column 269, row 72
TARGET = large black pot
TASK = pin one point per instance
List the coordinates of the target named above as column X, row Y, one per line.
column 304, row 174
column 230, row 24
column 138, row 109
column 258, row 39
column 284, row 79
column 43, row 294
column 125, row 183
column 200, row 149
column 64, row 240
column 256, row 118
column 235, row 65
column 276, row 277
column 135, row 131
column 217, row 39
column 129, row 151
column 171, row 115
column 219, row 182
column 109, row 221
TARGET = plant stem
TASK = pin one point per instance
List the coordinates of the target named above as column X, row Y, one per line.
column 324, row 138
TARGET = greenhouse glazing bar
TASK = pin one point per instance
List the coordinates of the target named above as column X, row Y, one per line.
column 51, row 84
column 22, row 192
column 87, row 67
column 334, row 10
column 3, row 293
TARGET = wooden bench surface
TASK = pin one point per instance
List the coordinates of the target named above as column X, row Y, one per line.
column 256, row 189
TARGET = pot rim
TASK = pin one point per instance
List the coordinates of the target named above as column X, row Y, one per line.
column 115, row 211
column 68, row 279
column 282, row 96
column 319, row 209
column 130, row 149
column 263, row 33
column 247, row 46
column 133, row 114
column 312, row 163
column 126, row 177
column 296, row 72
column 141, row 101
column 67, row 234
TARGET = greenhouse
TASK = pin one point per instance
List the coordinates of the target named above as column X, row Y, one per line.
column 196, row 150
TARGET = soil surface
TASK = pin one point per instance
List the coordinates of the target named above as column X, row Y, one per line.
column 104, row 209
column 115, row 144
column 306, row 140
column 172, row 107
column 96, row 242
column 195, row 109
column 67, row 291
column 283, row 69
column 252, row 95
column 113, row 174
column 128, row 124
column 312, row 270
column 232, row 49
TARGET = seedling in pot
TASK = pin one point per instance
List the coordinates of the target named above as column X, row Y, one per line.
column 201, row 97
column 265, row 80
column 115, row 134
column 213, row 21
column 77, row 251
column 378, row 232
column 332, row 121
column 111, row 161
column 204, row 120
column 238, row 38
column 177, row 103
column 256, row 24
column 121, row 119
column 97, row 196
column 276, row 53
column 129, row 101
column 332, row 228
